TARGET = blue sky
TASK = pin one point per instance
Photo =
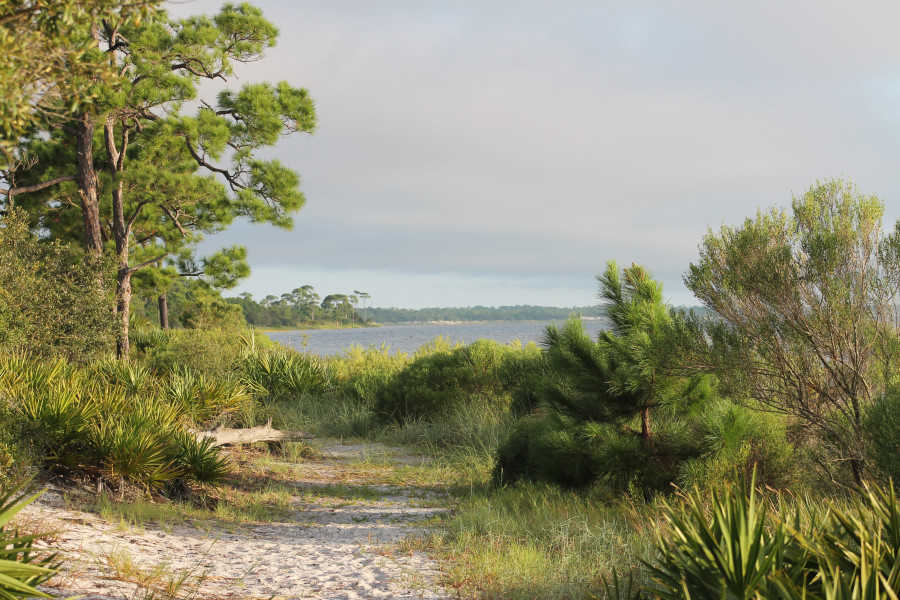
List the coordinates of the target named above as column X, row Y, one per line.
column 499, row 152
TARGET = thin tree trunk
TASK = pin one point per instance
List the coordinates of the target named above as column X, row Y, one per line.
column 646, row 435
column 123, row 308
column 87, row 184
column 121, row 234
column 163, row 304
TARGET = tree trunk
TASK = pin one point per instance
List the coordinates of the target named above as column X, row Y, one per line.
column 163, row 304
column 121, row 233
column 224, row 436
column 123, row 309
column 87, row 184
column 646, row 435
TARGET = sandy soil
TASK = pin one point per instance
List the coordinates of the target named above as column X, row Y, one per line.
column 340, row 548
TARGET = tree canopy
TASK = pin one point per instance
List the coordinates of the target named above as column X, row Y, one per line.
column 805, row 313
column 133, row 173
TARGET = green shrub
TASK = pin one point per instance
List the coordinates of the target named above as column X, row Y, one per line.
column 561, row 450
column 522, row 370
column 360, row 372
column 720, row 545
column 214, row 353
column 283, row 373
column 440, row 379
column 53, row 301
column 730, row 543
column 135, row 445
column 95, row 423
column 204, row 400
column 198, row 460
column 882, row 429
column 133, row 378
column 734, row 439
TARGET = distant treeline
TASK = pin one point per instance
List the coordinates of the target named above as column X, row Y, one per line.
column 479, row 313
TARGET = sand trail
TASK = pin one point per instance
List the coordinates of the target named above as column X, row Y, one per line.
column 330, row 546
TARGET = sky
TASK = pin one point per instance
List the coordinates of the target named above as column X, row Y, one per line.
column 495, row 152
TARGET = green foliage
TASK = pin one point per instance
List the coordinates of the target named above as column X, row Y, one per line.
column 283, row 373
column 440, row 378
column 21, row 567
column 198, row 460
column 107, row 421
column 213, row 353
column 882, row 428
column 47, row 50
column 53, row 302
column 804, row 314
column 735, row 439
column 205, row 400
column 602, row 398
column 732, row 544
column 360, row 372
column 728, row 550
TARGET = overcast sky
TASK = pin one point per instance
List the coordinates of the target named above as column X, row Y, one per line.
column 500, row 152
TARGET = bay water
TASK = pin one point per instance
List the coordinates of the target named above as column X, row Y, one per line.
column 410, row 337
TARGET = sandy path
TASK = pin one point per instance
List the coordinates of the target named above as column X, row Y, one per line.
column 341, row 548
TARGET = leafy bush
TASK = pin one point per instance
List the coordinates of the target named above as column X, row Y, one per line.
column 80, row 421
column 53, row 301
column 734, row 439
column 204, row 400
column 133, row 378
column 214, row 353
column 360, row 372
column 441, row 379
column 198, row 460
column 882, row 429
column 728, row 550
column 730, row 543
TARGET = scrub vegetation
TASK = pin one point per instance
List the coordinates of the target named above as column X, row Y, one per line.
column 745, row 451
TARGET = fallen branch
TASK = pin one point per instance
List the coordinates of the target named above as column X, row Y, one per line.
column 225, row 436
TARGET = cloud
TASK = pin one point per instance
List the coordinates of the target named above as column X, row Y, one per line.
column 532, row 139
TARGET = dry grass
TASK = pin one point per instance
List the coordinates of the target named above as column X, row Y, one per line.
column 153, row 582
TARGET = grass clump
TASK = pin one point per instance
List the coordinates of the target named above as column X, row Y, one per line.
column 535, row 540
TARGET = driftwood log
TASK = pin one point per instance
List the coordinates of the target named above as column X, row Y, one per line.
column 225, row 436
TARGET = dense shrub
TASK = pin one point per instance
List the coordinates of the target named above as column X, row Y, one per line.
column 283, row 373
column 214, row 353
column 735, row 439
column 82, row 420
column 360, row 372
column 558, row 449
column 54, row 302
column 882, row 429
column 440, row 379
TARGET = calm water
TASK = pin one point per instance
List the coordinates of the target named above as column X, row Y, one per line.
column 408, row 338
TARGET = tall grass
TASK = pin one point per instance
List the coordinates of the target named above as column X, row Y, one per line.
column 538, row 541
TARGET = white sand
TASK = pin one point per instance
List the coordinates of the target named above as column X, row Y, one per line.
column 330, row 548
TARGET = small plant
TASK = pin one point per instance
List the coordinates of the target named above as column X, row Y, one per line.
column 199, row 460
column 204, row 399
column 284, row 373
column 720, row 545
column 21, row 569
